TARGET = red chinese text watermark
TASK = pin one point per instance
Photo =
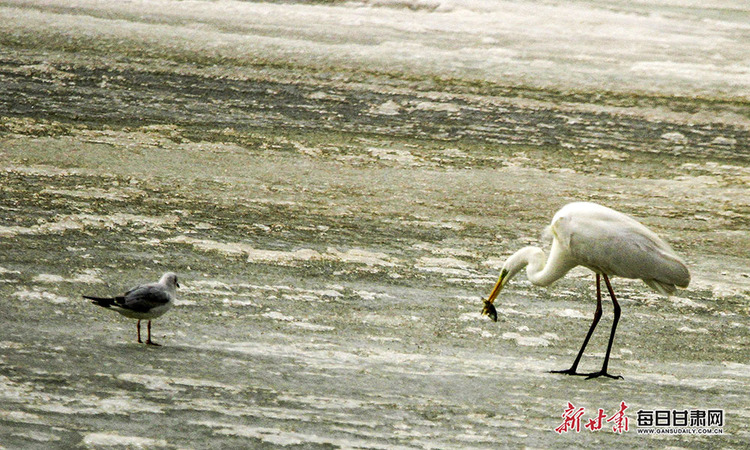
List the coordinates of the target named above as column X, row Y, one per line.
column 572, row 420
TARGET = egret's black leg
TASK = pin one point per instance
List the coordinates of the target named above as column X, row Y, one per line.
column 149, row 341
column 603, row 372
column 597, row 316
column 138, row 325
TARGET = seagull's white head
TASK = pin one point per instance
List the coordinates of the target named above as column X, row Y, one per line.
column 169, row 279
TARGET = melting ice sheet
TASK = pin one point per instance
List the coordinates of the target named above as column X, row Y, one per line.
column 686, row 47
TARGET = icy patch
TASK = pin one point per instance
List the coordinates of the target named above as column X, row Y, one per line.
column 736, row 369
column 447, row 251
column 480, row 332
column 11, row 391
column 278, row 437
column 572, row 313
column 686, row 302
column 282, row 257
column 360, row 256
column 48, row 278
column 357, row 256
column 253, row 255
column 116, row 440
column 687, row 329
column 301, row 297
column 79, row 222
column 494, row 263
column 319, row 402
column 121, row 405
column 389, row 108
column 91, row 404
column 199, row 383
column 306, row 295
column 369, row 296
column 322, row 95
column 612, row 155
column 210, row 287
column 312, row 326
column 721, row 140
column 20, row 417
column 161, row 383
column 97, row 193
column 276, row 315
column 455, row 153
column 88, row 276
column 692, row 383
column 507, row 311
column 234, row 302
column 178, row 302
column 37, row 294
column 675, row 137
column 472, row 316
column 38, row 436
column 435, row 224
column 233, row 294
column 213, row 284
column 153, row 383
column 442, row 262
column 396, row 155
column 385, row 339
column 445, row 266
column 501, row 312
column 531, row 341
column 446, row 271
column 437, row 106
column 479, row 281
column 328, row 293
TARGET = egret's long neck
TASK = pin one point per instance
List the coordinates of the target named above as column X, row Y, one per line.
column 540, row 270
column 533, row 259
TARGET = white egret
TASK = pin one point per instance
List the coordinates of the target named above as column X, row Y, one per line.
column 609, row 243
column 144, row 302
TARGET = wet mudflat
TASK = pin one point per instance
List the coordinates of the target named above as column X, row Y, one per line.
column 334, row 224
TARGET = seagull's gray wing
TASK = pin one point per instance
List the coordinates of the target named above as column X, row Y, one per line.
column 144, row 298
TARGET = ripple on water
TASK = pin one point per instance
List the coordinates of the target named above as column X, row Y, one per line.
column 97, row 440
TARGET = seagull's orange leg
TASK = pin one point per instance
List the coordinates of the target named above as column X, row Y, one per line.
column 149, row 341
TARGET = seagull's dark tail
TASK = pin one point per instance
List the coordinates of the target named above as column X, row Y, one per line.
column 100, row 301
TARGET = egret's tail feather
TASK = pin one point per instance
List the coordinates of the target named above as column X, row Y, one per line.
column 100, row 301
column 665, row 289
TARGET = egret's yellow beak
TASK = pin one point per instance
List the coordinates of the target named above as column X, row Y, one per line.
column 489, row 307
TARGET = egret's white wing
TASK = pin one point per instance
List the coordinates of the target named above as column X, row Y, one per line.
column 615, row 244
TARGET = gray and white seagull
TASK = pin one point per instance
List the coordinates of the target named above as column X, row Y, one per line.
column 144, row 302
